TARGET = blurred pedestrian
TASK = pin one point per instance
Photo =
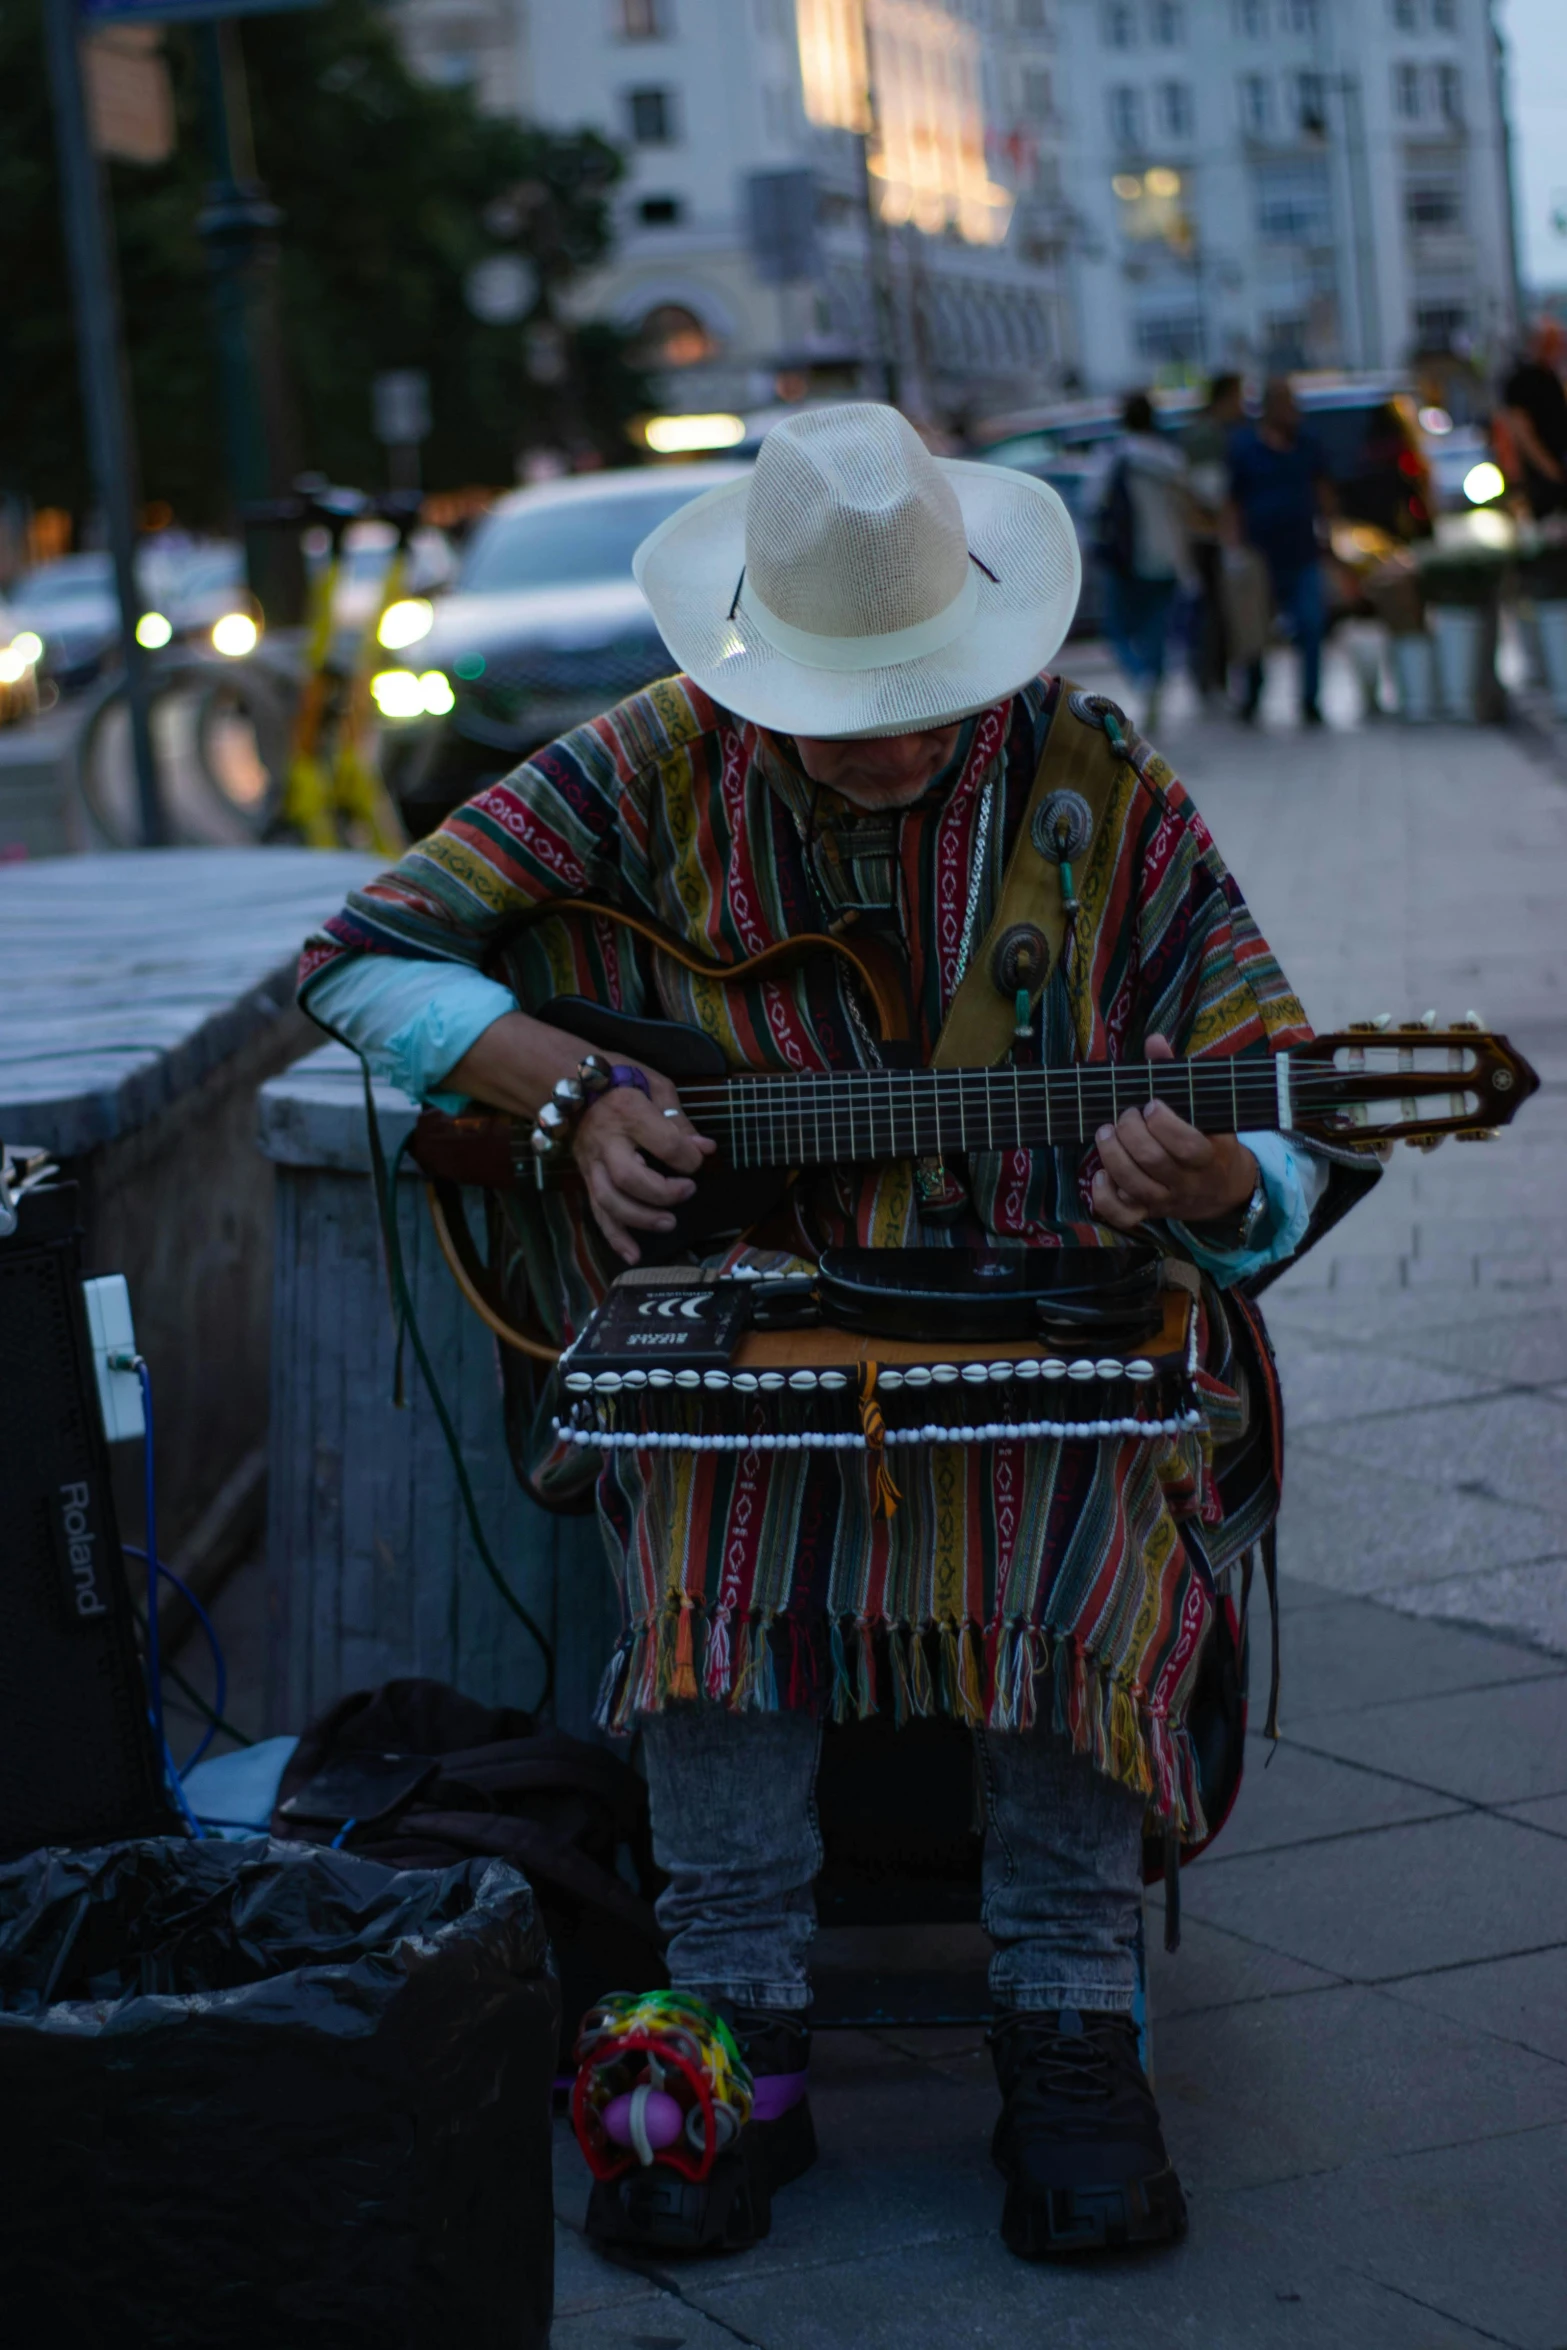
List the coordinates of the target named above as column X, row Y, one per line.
column 1534, row 414
column 1142, row 547
column 1205, row 445
column 1279, row 485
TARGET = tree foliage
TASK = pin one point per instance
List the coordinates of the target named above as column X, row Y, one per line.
column 389, row 190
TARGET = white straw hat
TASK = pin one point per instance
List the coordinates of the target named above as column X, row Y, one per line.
column 857, row 585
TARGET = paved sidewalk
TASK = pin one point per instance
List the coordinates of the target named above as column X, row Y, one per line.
column 1361, row 2048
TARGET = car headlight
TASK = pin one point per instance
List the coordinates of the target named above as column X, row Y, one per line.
column 397, row 693
column 236, row 634
column 153, row 631
column 405, row 622
column 1483, row 482
column 28, row 647
column 12, row 667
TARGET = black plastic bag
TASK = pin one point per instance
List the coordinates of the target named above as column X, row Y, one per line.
column 270, row 2096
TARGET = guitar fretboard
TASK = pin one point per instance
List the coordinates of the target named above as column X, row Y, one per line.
column 844, row 1116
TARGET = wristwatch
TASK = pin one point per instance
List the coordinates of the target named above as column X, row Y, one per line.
column 1237, row 1231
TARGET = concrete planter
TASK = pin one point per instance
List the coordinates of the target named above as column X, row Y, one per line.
column 1550, row 620
column 1414, row 678
column 1463, row 639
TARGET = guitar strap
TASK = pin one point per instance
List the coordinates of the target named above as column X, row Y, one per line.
column 1047, row 899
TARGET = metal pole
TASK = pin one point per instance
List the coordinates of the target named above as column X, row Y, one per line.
column 235, row 224
column 101, row 356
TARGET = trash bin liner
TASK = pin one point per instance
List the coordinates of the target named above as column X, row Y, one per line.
column 268, row 2095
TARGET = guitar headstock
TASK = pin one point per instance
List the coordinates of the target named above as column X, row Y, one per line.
column 1373, row 1083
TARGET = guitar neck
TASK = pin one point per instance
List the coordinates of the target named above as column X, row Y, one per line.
column 855, row 1116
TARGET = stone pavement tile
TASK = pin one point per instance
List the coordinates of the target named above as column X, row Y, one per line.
column 1289, row 2087
column 1358, row 1654
column 660, row 2321
column 1366, row 1530
column 1518, row 1999
column 1530, row 1601
column 1394, row 1900
column 1324, row 1384
column 1298, row 1597
column 1233, row 2285
column 1214, row 1969
column 1290, row 1796
column 586, row 2283
column 1503, row 1448
column 1484, row 1745
column 1471, row 2231
column 1460, row 1330
column 1548, row 1812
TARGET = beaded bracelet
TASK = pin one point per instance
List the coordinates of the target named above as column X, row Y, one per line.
column 556, row 1125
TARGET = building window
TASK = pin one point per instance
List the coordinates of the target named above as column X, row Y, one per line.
column 1311, row 104
column 1298, row 16
column 1444, row 16
column 1171, row 339
column 1406, row 15
column 1251, row 19
column 1177, row 115
column 660, row 211
column 1285, row 341
column 1256, row 105
column 1406, row 91
column 1450, row 93
column 1031, row 16
column 643, row 20
column 1441, row 326
column 1165, row 23
column 1120, row 25
column 1292, row 202
column 1434, row 207
column 1126, row 116
column 1038, row 93
column 650, row 117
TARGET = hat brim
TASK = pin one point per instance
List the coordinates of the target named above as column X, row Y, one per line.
column 689, row 569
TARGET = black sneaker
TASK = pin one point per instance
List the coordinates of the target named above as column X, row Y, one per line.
column 656, row 2210
column 1078, row 2141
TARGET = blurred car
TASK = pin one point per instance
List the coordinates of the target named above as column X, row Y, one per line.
column 186, row 585
column 542, row 629
column 366, row 559
column 19, row 650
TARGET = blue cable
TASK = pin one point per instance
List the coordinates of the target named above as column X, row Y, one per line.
column 220, row 1671
column 345, row 1830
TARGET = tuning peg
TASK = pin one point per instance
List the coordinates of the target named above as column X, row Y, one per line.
column 1382, row 1020
column 1425, row 1142
column 1471, row 1019
column 1372, row 1027
column 1480, row 1134
column 1410, row 1027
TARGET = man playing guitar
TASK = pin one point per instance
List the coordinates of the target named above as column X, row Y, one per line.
column 857, row 736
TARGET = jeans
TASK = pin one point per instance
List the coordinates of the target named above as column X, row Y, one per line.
column 734, row 1824
column 1137, row 622
column 1297, row 597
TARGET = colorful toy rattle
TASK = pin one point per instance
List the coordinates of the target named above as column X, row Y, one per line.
column 659, row 2079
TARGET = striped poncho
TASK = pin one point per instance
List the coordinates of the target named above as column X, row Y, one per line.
column 1011, row 1577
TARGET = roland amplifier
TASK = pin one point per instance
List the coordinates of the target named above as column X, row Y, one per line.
column 78, row 1762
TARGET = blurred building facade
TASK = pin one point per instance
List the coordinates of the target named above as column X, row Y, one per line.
column 753, row 243
column 1285, row 183
column 987, row 203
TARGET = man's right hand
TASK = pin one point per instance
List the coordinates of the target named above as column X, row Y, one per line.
column 614, row 1140
column 515, row 1064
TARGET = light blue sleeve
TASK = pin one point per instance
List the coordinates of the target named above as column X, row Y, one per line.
column 412, row 1021
column 1293, row 1179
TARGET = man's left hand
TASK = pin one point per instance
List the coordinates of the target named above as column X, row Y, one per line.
column 1153, row 1164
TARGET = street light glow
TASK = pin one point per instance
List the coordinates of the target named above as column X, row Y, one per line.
column 435, row 690
column 28, row 646
column 12, row 667
column 153, row 631
column 1127, row 186
column 1161, row 181
column 405, row 622
column 1483, row 482
column 675, row 436
column 236, row 634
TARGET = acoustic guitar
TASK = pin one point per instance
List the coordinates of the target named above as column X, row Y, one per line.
column 1358, row 1088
